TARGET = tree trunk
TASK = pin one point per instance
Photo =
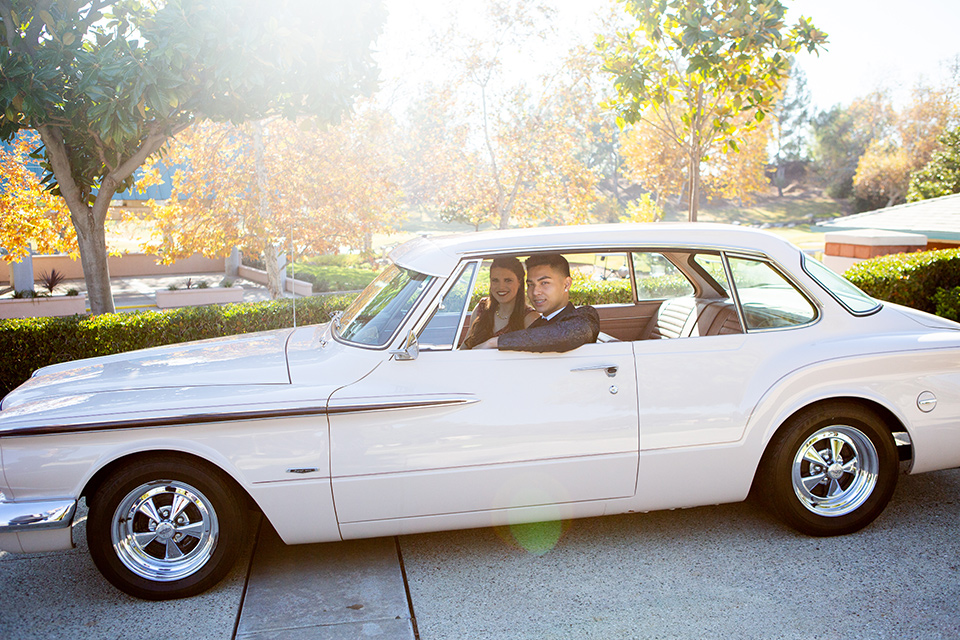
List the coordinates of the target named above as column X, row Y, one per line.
column 695, row 152
column 92, row 240
column 272, row 258
column 694, row 183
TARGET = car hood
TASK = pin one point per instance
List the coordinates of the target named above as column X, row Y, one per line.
column 287, row 372
column 257, row 358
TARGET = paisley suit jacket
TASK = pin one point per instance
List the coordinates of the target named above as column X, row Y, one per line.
column 572, row 327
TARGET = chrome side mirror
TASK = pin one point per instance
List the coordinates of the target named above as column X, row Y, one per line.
column 411, row 349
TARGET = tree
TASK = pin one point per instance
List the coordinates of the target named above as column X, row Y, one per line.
column 841, row 135
column 522, row 158
column 654, row 161
column 883, row 173
column 29, row 215
column 313, row 189
column 882, row 176
column 715, row 60
column 107, row 82
column 740, row 174
column 941, row 175
column 790, row 121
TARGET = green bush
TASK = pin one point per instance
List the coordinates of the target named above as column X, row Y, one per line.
column 948, row 303
column 910, row 279
column 31, row 343
column 582, row 292
column 332, row 277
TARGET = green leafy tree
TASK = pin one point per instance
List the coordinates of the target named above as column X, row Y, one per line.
column 716, row 60
column 940, row 176
column 106, row 83
column 791, row 119
column 841, row 135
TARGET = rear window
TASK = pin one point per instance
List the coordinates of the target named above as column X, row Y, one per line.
column 844, row 291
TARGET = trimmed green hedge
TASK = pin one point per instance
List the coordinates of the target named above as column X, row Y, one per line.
column 30, row 343
column 910, row 279
column 948, row 303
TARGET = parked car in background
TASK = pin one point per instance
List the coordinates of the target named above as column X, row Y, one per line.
column 737, row 363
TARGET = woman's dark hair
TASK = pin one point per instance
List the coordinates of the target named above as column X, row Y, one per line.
column 482, row 329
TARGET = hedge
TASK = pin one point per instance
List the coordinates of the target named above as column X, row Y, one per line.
column 910, row 279
column 30, row 343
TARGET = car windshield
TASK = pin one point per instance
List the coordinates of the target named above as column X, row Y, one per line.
column 840, row 288
column 375, row 315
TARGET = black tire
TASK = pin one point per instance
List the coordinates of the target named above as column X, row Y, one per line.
column 830, row 470
column 165, row 528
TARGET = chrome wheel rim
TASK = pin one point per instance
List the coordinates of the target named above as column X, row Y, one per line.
column 164, row 530
column 835, row 471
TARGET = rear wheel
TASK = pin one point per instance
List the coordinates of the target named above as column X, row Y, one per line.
column 165, row 529
column 831, row 470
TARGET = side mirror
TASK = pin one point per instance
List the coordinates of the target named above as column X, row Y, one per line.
column 410, row 349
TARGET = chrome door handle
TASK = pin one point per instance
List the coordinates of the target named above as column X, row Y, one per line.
column 611, row 369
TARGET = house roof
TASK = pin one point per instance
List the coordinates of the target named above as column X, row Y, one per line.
column 937, row 218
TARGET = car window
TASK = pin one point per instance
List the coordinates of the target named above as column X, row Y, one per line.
column 855, row 300
column 768, row 300
column 441, row 330
column 600, row 278
column 712, row 264
column 376, row 313
column 658, row 278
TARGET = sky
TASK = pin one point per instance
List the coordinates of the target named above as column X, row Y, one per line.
column 873, row 43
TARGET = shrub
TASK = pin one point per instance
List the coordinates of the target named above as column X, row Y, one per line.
column 332, row 277
column 51, row 280
column 30, row 343
column 910, row 279
column 948, row 303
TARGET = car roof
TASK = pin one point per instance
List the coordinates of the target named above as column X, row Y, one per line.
column 438, row 255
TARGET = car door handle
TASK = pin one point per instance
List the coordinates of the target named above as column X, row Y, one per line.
column 611, row 369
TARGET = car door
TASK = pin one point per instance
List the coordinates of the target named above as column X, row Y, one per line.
column 458, row 431
column 455, row 431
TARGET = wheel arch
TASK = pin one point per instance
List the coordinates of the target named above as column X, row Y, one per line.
column 103, row 473
column 889, row 419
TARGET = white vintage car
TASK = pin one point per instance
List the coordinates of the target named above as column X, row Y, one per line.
column 737, row 363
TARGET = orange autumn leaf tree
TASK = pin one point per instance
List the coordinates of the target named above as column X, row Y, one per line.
column 30, row 217
column 314, row 189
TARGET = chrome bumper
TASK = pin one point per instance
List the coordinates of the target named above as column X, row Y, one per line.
column 36, row 516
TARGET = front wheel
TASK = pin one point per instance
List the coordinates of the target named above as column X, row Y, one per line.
column 831, row 470
column 165, row 529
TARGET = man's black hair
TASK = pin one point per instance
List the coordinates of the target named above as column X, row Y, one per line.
column 554, row 260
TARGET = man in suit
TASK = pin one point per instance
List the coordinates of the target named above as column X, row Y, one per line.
column 561, row 326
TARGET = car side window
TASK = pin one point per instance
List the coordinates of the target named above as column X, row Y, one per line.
column 768, row 299
column 600, row 278
column 658, row 278
column 443, row 327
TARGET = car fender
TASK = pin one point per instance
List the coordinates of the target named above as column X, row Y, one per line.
column 893, row 381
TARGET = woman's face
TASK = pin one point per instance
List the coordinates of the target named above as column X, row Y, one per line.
column 504, row 285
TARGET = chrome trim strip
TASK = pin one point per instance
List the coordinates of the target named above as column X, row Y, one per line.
column 355, row 406
column 36, row 516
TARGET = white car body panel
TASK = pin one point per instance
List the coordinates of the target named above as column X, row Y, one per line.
column 502, row 454
column 334, row 440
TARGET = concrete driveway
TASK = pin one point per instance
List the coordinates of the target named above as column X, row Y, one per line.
column 713, row 572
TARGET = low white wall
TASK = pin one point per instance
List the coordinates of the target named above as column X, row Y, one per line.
column 126, row 265
column 43, row 307
column 299, row 287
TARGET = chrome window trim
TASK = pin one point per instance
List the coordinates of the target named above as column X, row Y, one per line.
column 859, row 314
column 783, row 273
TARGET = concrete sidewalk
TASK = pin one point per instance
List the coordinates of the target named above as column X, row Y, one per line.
column 730, row 571
column 352, row 589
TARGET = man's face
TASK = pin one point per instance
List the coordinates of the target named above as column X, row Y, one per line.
column 547, row 289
